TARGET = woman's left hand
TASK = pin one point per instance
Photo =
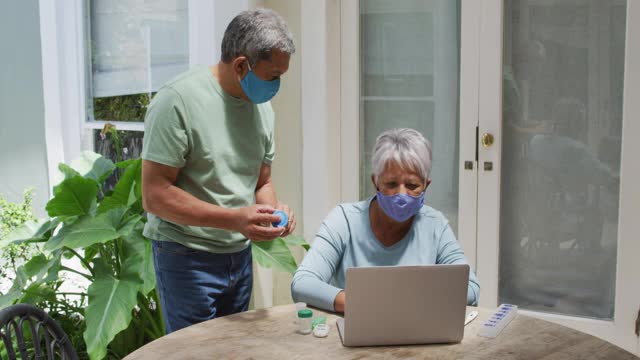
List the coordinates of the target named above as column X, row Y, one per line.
column 292, row 219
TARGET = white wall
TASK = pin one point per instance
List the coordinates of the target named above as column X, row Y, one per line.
column 287, row 167
column 273, row 287
column 23, row 160
column 321, row 102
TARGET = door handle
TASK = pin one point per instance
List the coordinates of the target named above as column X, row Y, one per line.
column 487, row 139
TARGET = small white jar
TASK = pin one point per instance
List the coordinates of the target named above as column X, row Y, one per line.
column 304, row 321
column 299, row 306
column 321, row 330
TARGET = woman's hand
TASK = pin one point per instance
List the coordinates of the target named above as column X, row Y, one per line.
column 292, row 219
column 338, row 302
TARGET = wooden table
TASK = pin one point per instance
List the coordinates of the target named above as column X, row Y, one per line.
column 272, row 334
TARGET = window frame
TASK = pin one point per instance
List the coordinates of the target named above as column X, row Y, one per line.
column 66, row 90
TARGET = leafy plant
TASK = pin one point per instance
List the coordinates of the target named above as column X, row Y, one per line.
column 128, row 108
column 13, row 215
column 276, row 253
column 102, row 229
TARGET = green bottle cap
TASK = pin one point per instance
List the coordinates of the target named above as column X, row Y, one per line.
column 305, row 313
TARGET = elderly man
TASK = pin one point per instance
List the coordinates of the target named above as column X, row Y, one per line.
column 206, row 172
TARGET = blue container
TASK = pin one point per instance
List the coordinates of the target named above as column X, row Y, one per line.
column 284, row 219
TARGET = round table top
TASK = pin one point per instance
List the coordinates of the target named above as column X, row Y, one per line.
column 272, row 334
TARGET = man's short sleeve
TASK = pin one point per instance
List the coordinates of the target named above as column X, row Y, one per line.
column 165, row 130
column 270, row 150
column 269, row 121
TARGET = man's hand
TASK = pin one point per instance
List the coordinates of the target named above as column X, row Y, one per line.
column 254, row 222
column 292, row 219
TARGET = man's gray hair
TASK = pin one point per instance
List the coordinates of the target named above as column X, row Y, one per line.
column 254, row 34
column 405, row 147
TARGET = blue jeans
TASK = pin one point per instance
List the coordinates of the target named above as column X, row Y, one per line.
column 195, row 286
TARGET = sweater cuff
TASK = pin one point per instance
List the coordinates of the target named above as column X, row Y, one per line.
column 331, row 293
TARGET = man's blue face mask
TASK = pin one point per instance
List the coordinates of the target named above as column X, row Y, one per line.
column 258, row 90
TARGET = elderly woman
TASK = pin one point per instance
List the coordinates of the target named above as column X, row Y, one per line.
column 393, row 227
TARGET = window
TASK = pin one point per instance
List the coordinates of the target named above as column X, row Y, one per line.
column 133, row 48
column 409, row 78
column 104, row 59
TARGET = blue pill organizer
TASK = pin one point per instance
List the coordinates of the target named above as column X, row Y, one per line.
column 492, row 327
column 284, row 219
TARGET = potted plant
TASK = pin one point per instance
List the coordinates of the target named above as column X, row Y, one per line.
column 102, row 230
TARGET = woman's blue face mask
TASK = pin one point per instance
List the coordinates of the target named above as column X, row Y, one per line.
column 257, row 90
column 400, row 207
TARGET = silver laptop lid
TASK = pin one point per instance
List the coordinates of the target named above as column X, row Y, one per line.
column 393, row 305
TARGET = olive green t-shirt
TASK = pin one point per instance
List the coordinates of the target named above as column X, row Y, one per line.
column 219, row 143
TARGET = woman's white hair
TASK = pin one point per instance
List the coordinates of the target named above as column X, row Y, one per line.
column 405, row 147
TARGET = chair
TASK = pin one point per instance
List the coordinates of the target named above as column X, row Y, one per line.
column 34, row 333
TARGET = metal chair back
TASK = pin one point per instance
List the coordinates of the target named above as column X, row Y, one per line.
column 30, row 333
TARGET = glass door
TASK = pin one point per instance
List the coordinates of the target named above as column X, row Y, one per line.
column 554, row 76
column 529, row 105
column 405, row 64
column 409, row 57
column 563, row 70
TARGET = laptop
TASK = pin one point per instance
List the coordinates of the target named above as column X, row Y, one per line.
column 402, row 305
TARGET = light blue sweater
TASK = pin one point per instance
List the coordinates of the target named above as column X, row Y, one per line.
column 346, row 240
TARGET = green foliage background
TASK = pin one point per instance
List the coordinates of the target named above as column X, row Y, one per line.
column 101, row 227
column 128, row 108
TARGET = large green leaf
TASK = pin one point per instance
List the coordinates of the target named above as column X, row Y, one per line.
column 89, row 230
column 15, row 292
column 75, row 196
column 127, row 191
column 138, row 258
column 43, row 269
column 294, row 240
column 126, row 163
column 93, row 166
column 36, row 293
column 67, row 171
column 91, row 251
column 30, row 231
column 111, row 301
column 28, row 285
column 274, row 254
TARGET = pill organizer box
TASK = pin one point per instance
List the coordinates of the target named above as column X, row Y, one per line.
column 494, row 325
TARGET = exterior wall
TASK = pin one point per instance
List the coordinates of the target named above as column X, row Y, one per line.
column 273, row 287
column 23, row 157
column 287, row 166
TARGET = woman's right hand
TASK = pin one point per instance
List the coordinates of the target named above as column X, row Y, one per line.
column 254, row 222
column 338, row 302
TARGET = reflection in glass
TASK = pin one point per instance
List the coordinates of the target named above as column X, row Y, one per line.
column 135, row 47
column 410, row 55
column 117, row 145
column 562, row 115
